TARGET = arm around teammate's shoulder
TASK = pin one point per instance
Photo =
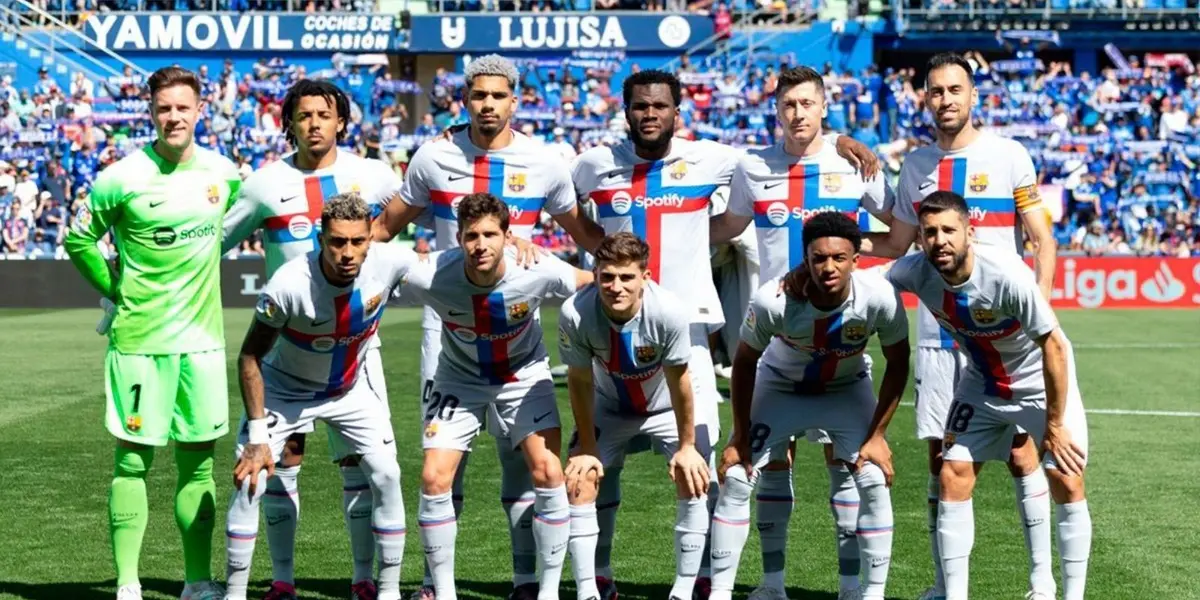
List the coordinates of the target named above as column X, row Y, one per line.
column 406, row 204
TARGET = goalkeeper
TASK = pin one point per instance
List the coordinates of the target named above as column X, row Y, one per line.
column 164, row 371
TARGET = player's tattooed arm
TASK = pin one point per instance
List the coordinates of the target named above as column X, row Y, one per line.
column 741, row 390
column 859, row 155
column 895, row 376
column 256, row 455
column 1045, row 250
column 688, row 468
column 1069, row 457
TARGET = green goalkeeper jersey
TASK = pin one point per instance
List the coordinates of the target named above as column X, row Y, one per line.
column 166, row 221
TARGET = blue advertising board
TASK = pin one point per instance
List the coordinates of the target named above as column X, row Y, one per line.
column 239, row 32
column 539, row 32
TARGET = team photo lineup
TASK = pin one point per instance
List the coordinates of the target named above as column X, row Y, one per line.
column 994, row 372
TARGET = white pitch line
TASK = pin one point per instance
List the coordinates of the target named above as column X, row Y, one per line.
column 1122, row 411
column 1135, row 345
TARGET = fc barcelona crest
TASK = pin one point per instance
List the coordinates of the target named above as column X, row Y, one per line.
column 983, row 315
column 978, row 182
column 518, row 311
column 516, row 182
column 372, row 304
column 645, row 354
column 678, row 170
column 214, row 194
column 832, row 182
column 854, row 333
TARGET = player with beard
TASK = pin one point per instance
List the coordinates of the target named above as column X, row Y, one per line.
column 778, row 188
column 659, row 188
column 488, row 156
column 997, row 178
column 285, row 199
column 1019, row 376
column 814, row 374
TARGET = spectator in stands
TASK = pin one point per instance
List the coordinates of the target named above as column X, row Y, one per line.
column 15, row 230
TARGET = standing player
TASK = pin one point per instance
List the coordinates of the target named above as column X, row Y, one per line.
column 489, row 157
column 660, row 188
column 814, row 374
column 494, row 363
column 285, row 199
column 778, row 188
column 313, row 329
column 1020, row 376
column 996, row 177
column 631, row 334
column 165, row 367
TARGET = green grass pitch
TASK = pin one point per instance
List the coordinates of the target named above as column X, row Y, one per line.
column 56, row 461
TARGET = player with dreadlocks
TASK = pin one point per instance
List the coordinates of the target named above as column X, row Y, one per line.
column 285, row 199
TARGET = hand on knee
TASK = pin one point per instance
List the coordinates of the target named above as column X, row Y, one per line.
column 583, row 488
column 737, row 487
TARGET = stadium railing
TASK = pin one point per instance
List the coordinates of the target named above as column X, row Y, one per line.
column 1062, row 15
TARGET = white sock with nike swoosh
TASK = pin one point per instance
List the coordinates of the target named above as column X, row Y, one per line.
column 281, row 507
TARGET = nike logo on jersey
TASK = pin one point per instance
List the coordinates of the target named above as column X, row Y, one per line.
column 457, row 313
column 273, row 521
column 388, row 442
column 771, row 185
column 282, row 200
column 157, row 204
column 925, row 186
column 316, row 323
column 218, row 426
column 612, row 175
column 538, row 419
column 457, row 177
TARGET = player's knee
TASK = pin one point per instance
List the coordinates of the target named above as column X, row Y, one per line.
column 1023, row 459
column 384, row 471
column 583, row 489
column 957, row 480
column 546, row 471
column 293, row 451
column 133, row 463
column 436, row 480
column 869, row 478
column 737, row 487
column 1064, row 488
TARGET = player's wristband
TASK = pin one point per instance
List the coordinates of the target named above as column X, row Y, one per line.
column 258, row 431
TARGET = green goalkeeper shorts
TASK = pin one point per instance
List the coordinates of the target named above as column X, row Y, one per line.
column 153, row 398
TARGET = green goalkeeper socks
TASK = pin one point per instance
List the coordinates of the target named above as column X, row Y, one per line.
column 195, row 494
column 127, row 510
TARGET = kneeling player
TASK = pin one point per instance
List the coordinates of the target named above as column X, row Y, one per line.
column 1020, row 373
column 814, row 375
column 636, row 335
column 492, row 358
column 315, row 323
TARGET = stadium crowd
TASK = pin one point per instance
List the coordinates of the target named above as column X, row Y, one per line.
column 1120, row 146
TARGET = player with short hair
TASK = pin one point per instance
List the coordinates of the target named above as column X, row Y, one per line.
column 493, row 363
column 997, row 178
column 165, row 367
column 488, row 156
column 777, row 188
column 660, row 188
column 304, row 360
column 813, row 374
column 285, row 199
column 1020, row 376
column 626, row 344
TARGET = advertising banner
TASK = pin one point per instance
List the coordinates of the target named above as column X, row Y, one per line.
column 534, row 32
column 1116, row 282
column 243, row 32
column 1079, row 282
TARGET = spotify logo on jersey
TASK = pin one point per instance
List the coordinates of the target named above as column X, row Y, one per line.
column 165, row 236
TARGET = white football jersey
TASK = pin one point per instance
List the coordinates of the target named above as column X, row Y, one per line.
column 490, row 335
column 781, row 192
column 325, row 330
column 627, row 359
column 996, row 177
column 667, row 203
column 994, row 317
column 286, row 202
column 824, row 350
